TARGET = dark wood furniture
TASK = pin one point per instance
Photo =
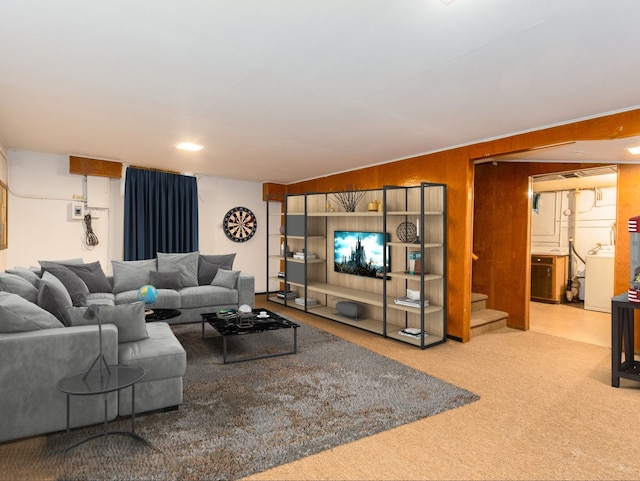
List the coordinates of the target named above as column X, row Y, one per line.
column 622, row 314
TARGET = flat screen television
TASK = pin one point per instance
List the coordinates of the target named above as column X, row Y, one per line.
column 360, row 253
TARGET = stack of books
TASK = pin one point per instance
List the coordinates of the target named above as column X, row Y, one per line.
column 415, row 262
column 412, row 332
column 286, row 295
column 303, row 255
column 408, row 301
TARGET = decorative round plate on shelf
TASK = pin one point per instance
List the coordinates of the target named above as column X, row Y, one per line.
column 239, row 224
column 407, row 232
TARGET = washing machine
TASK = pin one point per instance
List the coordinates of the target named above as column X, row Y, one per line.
column 598, row 289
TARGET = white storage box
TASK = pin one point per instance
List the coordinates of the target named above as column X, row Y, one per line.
column 310, row 301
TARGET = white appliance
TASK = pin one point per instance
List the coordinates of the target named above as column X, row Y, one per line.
column 598, row 289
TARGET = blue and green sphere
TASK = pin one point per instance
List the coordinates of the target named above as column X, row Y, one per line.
column 147, row 294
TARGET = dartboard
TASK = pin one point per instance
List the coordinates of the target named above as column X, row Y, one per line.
column 239, row 224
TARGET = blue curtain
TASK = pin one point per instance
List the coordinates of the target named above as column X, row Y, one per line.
column 160, row 214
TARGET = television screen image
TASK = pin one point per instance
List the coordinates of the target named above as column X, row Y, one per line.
column 360, row 253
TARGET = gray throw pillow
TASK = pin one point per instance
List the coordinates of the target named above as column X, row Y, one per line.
column 185, row 263
column 18, row 285
column 75, row 260
column 52, row 300
column 208, row 266
column 77, row 289
column 19, row 315
column 53, row 296
column 131, row 275
column 128, row 318
column 165, row 280
column 26, row 274
column 92, row 275
column 225, row 278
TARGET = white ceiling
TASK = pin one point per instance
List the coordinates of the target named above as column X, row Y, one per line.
column 286, row 90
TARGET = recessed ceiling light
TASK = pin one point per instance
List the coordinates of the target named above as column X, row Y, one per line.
column 189, row 146
column 634, row 150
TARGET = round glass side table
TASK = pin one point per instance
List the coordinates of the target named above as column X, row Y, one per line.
column 102, row 380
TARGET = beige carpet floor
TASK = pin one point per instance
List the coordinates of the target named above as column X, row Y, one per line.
column 546, row 411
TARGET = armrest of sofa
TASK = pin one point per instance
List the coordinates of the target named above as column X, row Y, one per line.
column 246, row 290
column 31, row 365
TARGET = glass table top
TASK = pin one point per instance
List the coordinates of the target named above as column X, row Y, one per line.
column 100, row 380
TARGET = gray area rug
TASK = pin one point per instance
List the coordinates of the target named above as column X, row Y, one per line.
column 244, row 418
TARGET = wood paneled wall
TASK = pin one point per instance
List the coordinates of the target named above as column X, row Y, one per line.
column 502, row 271
column 502, row 225
column 95, row 167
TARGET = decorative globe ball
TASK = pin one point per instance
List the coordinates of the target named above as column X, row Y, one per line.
column 147, row 294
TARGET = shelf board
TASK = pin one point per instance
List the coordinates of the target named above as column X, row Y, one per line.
column 302, row 261
column 345, row 214
column 415, row 277
column 415, row 310
column 414, row 213
column 427, row 245
column 372, row 325
column 393, row 332
column 298, row 237
column 370, row 298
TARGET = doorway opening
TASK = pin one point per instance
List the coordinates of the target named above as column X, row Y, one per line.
column 573, row 226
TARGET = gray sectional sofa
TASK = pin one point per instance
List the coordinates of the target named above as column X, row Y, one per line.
column 45, row 333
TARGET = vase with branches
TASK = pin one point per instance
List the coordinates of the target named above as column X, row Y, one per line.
column 349, row 197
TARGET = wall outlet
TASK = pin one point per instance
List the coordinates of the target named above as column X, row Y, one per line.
column 77, row 210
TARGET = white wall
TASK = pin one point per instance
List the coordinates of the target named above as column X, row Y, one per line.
column 41, row 191
column 217, row 196
column 586, row 215
column 3, row 178
column 40, row 228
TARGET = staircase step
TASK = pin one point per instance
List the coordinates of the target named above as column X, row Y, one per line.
column 478, row 301
column 487, row 320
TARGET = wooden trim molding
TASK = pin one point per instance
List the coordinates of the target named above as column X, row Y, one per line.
column 95, row 167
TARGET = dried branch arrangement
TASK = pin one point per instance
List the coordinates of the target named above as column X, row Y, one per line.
column 349, row 197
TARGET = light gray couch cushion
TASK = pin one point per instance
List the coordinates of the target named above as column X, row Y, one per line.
column 131, row 275
column 167, row 299
column 128, row 318
column 101, row 298
column 201, row 296
column 161, row 354
column 19, row 315
column 185, row 263
column 16, row 284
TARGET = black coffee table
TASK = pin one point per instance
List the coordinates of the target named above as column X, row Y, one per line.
column 229, row 325
column 161, row 314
